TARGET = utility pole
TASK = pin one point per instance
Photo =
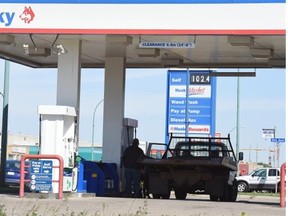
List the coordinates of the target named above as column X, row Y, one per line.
column 237, row 118
column 274, row 136
column 257, row 154
column 4, row 137
column 93, row 128
column 250, row 153
column 187, row 103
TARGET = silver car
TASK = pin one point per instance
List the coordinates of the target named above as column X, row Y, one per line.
column 260, row 179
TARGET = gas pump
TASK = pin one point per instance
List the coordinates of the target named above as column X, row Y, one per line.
column 57, row 136
column 128, row 134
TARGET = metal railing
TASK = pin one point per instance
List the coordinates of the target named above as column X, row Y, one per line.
column 60, row 168
column 283, row 185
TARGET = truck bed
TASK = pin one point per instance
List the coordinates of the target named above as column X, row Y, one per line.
column 172, row 163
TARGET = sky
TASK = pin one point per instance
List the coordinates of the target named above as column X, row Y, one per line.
column 262, row 105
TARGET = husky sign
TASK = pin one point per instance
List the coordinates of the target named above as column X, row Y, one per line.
column 190, row 102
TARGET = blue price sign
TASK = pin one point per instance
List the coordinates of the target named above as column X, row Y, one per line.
column 190, row 102
column 278, row 140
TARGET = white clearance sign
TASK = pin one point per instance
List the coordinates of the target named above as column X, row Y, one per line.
column 167, row 45
column 137, row 18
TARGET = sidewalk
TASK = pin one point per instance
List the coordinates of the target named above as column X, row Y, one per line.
column 194, row 205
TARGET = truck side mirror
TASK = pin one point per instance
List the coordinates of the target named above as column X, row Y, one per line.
column 241, row 156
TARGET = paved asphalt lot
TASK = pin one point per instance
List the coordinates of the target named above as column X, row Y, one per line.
column 194, row 205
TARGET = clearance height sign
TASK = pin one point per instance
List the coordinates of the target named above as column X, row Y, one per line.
column 198, row 115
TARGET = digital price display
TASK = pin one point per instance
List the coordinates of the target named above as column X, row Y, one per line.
column 199, row 78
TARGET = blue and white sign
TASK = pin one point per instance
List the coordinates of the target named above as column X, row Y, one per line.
column 198, row 88
column 41, row 175
column 278, row 140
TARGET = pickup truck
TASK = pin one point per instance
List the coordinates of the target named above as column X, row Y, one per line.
column 191, row 165
column 260, row 179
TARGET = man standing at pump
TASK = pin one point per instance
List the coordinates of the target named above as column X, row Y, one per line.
column 131, row 156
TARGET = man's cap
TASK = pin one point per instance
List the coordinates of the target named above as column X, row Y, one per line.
column 135, row 141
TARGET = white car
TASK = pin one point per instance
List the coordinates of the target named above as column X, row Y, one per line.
column 260, row 179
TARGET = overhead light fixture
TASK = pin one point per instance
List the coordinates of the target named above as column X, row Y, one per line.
column 37, row 51
column 148, row 52
column 241, row 40
column 58, row 49
column 259, row 53
column 26, row 49
column 6, row 39
column 171, row 62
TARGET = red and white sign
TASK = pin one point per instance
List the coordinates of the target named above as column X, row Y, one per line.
column 199, row 91
column 268, row 18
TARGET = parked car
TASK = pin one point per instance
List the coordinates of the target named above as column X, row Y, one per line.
column 12, row 172
column 260, row 179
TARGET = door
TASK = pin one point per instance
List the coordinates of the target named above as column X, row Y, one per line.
column 272, row 179
column 258, row 179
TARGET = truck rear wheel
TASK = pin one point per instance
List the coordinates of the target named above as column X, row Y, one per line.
column 230, row 193
column 180, row 194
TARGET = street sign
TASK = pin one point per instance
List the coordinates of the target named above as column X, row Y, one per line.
column 268, row 133
column 41, row 175
column 278, row 140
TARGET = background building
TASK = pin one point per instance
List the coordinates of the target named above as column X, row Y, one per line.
column 20, row 144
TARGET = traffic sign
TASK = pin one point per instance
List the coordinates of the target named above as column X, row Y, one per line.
column 278, row 140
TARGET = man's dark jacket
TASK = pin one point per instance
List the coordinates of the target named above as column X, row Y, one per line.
column 131, row 156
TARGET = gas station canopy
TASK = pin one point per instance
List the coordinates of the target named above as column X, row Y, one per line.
column 155, row 34
column 119, row 34
column 151, row 51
